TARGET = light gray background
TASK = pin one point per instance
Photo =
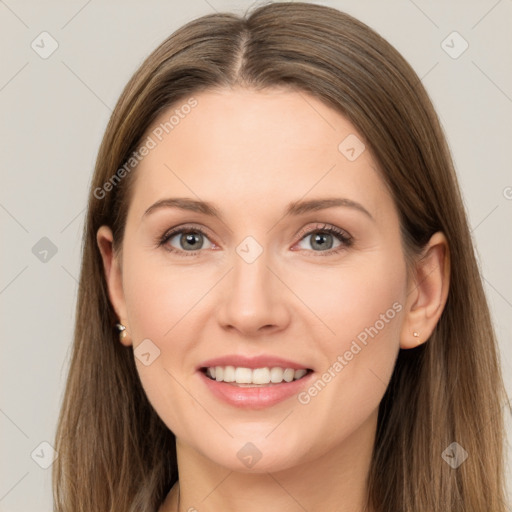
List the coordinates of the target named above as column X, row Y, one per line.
column 54, row 112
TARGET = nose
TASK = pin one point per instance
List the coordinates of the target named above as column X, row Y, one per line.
column 253, row 299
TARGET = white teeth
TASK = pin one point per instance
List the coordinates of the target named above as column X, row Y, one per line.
column 288, row 374
column 299, row 374
column 258, row 376
column 261, row 376
column 243, row 376
column 229, row 374
column 276, row 375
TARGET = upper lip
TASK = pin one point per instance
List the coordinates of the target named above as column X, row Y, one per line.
column 262, row 361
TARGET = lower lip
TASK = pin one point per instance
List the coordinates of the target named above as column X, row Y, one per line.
column 255, row 397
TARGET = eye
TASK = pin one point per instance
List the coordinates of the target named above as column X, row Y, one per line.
column 324, row 238
column 188, row 239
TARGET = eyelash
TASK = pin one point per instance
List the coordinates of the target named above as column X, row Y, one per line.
column 345, row 239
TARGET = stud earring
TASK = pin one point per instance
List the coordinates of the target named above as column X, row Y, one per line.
column 417, row 336
column 122, row 331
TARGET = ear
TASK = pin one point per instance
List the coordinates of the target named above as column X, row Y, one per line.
column 113, row 276
column 427, row 292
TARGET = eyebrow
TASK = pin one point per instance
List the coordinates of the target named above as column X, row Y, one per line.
column 294, row 208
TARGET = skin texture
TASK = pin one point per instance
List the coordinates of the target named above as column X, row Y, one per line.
column 251, row 154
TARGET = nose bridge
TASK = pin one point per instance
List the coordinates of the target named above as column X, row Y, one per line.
column 250, row 277
column 254, row 297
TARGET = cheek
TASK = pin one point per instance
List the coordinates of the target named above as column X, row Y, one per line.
column 350, row 299
column 158, row 296
column 162, row 304
column 360, row 312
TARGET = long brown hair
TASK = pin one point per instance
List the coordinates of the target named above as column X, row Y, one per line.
column 115, row 454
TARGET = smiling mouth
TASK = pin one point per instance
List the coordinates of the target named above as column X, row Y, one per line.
column 257, row 377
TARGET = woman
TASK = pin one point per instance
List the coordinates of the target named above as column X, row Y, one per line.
column 279, row 304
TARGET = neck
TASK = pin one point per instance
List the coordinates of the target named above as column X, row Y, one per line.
column 335, row 481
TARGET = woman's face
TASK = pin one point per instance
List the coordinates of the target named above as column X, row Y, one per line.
column 274, row 279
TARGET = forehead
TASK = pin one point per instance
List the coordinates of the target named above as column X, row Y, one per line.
column 255, row 148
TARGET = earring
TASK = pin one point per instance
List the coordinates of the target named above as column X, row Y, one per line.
column 417, row 336
column 122, row 331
